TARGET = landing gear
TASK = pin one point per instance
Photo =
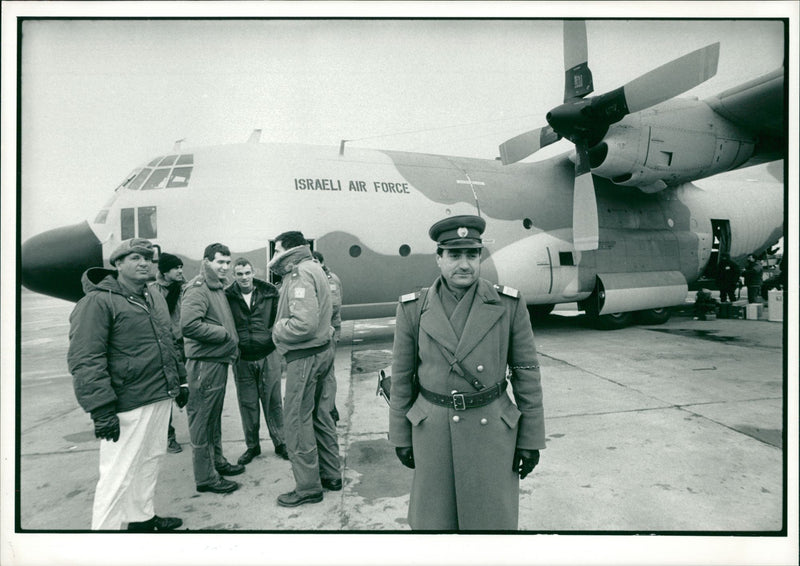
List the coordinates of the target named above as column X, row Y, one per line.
column 613, row 321
column 652, row 316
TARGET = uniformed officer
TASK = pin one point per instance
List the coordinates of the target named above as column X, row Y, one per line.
column 468, row 443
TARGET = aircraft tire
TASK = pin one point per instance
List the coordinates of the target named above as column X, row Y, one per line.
column 652, row 316
column 613, row 321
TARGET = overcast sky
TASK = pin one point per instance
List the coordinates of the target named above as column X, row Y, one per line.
column 101, row 97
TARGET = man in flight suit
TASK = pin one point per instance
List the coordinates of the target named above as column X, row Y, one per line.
column 303, row 335
column 468, row 443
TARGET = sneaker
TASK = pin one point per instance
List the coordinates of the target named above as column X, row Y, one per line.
column 173, row 447
column 228, row 469
column 281, row 451
column 220, row 486
column 334, row 484
column 155, row 524
column 248, row 455
column 292, row 499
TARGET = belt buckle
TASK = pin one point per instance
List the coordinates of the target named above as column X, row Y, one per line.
column 458, row 402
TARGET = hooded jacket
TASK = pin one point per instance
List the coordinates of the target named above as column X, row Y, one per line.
column 305, row 306
column 122, row 351
column 209, row 332
column 254, row 323
column 170, row 292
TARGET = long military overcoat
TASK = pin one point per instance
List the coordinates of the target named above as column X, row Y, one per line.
column 463, row 479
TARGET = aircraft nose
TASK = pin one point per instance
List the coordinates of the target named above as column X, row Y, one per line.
column 53, row 261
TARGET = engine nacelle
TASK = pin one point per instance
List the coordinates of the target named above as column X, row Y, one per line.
column 660, row 147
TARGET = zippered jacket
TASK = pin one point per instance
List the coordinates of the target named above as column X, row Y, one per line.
column 209, row 332
column 122, row 350
column 305, row 306
column 254, row 323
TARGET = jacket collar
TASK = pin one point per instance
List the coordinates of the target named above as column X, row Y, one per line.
column 485, row 312
column 283, row 263
column 259, row 287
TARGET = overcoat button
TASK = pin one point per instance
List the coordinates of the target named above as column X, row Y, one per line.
column 480, row 367
column 456, row 418
column 484, row 421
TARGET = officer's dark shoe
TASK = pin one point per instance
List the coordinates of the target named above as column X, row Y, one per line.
column 155, row 524
column 228, row 469
column 173, row 447
column 291, row 499
column 220, row 486
column 248, row 455
column 334, row 484
column 281, row 451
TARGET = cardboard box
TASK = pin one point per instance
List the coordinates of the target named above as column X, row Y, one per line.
column 775, row 305
column 754, row 311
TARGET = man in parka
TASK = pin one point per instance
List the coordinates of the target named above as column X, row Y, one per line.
column 211, row 345
column 468, row 443
column 303, row 335
column 126, row 371
column 257, row 373
column 169, row 283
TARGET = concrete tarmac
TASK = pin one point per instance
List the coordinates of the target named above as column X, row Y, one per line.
column 650, row 429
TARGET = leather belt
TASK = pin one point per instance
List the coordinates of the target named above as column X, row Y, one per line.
column 462, row 401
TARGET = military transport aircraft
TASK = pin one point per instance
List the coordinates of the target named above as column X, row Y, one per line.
column 616, row 225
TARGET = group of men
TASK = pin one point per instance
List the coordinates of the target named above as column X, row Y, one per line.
column 136, row 345
column 457, row 346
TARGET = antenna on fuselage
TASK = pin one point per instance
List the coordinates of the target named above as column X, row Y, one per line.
column 341, row 146
column 255, row 137
column 177, row 147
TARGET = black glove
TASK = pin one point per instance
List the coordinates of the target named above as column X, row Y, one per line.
column 106, row 424
column 182, row 398
column 525, row 461
column 406, row 456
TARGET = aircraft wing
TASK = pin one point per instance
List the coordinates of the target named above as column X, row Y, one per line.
column 758, row 107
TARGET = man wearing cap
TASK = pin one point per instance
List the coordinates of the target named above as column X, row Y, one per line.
column 126, row 371
column 468, row 444
column 169, row 283
column 211, row 346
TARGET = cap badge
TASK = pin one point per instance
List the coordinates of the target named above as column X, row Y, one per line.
column 462, row 232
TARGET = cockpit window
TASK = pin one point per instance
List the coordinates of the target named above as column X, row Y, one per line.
column 137, row 182
column 180, row 177
column 166, row 172
column 158, row 180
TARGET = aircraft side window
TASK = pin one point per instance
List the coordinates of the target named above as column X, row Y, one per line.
column 127, row 223
column 148, row 222
column 186, row 159
column 158, row 180
column 565, row 258
column 180, row 177
column 355, row 251
column 137, row 182
column 405, row 250
column 168, row 160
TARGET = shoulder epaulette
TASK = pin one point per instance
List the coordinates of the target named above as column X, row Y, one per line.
column 508, row 291
column 408, row 297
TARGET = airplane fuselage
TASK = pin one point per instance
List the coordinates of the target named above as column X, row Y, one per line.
column 369, row 211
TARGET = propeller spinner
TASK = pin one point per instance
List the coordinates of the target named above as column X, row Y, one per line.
column 585, row 121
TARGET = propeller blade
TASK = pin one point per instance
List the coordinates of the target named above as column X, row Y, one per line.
column 585, row 229
column 523, row 145
column 577, row 76
column 660, row 84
